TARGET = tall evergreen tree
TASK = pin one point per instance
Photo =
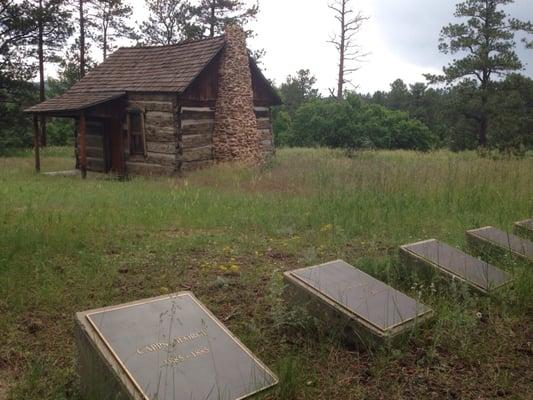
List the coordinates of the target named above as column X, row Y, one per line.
column 16, row 30
column 16, row 92
column 487, row 39
column 213, row 15
column 169, row 22
column 398, row 96
column 297, row 90
column 52, row 28
column 109, row 21
column 82, row 46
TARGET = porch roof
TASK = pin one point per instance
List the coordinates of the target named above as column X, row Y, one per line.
column 74, row 101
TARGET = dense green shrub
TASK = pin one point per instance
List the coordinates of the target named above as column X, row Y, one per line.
column 354, row 124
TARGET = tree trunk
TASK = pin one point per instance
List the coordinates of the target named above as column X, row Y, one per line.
column 484, row 118
column 212, row 22
column 482, row 135
column 82, row 41
column 36, row 141
column 105, row 43
column 340, row 83
column 40, row 51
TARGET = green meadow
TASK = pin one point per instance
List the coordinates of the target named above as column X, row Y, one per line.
column 227, row 233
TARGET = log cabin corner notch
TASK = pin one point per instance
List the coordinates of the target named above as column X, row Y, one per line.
column 166, row 109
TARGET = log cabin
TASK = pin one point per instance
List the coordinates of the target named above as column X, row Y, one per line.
column 162, row 110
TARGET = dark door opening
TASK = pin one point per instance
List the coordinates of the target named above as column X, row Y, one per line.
column 116, row 146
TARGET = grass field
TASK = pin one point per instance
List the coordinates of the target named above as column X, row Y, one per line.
column 228, row 233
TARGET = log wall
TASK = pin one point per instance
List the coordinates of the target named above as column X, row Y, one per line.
column 264, row 126
column 160, row 124
column 195, row 139
column 178, row 138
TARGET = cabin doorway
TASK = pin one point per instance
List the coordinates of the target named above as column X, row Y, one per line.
column 115, row 161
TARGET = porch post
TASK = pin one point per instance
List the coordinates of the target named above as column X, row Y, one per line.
column 36, row 143
column 83, row 146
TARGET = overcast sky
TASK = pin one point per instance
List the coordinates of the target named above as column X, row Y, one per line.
column 401, row 35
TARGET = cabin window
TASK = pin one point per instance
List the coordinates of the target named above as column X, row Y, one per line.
column 136, row 133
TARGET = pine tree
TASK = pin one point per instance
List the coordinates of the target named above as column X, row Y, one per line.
column 108, row 22
column 213, row 15
column 51, row 29
column 169, row 22
column 82, row 45
column 16, row 30
column 16, row 70
column 487, row 38
column 297, row 90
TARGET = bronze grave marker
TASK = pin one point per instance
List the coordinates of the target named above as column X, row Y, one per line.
column 498, row 240
column 456, row 264
column 373, row 309
column 166, row 348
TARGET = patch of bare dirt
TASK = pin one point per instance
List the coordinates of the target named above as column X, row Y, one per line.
column 4, row 384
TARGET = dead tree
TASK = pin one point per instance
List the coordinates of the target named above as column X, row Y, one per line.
column 350, row 52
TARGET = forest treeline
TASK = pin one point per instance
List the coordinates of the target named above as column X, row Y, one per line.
column 481, row 99
column 416, row 116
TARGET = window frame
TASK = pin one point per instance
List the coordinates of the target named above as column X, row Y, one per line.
column 141, row 141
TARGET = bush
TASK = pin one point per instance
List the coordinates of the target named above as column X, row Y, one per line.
column 354, row 124
column 60, row 131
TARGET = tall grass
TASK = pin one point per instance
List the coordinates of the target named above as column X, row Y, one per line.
column 64, row 241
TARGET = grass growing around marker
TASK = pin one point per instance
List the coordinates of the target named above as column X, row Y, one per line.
column 228, row 233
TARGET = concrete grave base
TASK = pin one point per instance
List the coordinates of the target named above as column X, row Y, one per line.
column 524, row 229
column 347, row 323
column 497, row 243
column 101, row 377
column 70, row 172
column 430, row 259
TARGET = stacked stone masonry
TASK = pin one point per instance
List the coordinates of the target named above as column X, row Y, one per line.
column 235, row 136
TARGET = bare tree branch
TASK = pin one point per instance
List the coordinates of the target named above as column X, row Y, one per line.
column 345, row 40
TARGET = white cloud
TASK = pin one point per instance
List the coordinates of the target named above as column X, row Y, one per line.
column 401, row 37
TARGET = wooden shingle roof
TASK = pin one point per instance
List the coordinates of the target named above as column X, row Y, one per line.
column 138, row 69
column 74, row 101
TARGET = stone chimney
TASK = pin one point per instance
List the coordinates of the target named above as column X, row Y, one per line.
column 235, row 135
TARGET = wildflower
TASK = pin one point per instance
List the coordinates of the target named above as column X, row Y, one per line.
column 326, row 228
column 479, row 315
column 234, row 268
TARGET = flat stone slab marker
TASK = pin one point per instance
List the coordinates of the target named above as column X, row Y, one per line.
column 165, row 348
column 456, row 264
column 502, row 241
column 372, row 307
column 524, row 228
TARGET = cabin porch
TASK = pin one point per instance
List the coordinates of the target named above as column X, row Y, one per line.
column 107, row 132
